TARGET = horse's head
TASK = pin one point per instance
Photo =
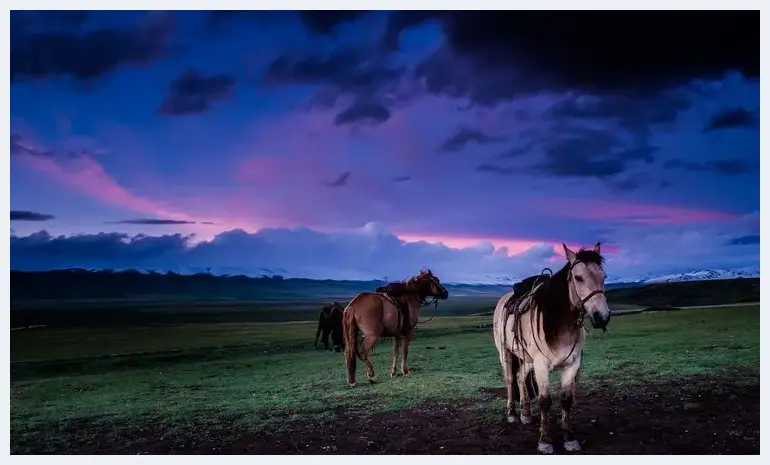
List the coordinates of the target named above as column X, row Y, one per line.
column 428, row 284
column 337, row 307
column 586, row 284
column 328, row 309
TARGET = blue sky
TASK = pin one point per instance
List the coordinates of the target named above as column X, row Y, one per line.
column 371, row 144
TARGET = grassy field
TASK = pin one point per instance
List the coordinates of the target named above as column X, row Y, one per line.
column 71, row 384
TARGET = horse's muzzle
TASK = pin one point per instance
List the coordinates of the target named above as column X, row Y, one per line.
column 598, row 321
column 443, row 295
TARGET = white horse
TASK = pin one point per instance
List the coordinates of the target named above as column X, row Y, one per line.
column 544, row 331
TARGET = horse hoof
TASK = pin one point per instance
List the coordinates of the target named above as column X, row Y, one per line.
column 372, row 381
column 572, row 446
column 525, row 420
column 511, row 418
column 393, row 374
column 544, row 448
column 353, row 384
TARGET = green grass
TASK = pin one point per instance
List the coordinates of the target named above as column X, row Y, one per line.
column 262, row 374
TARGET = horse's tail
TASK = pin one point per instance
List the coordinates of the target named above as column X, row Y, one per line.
column 350, row 336
column 532, row 390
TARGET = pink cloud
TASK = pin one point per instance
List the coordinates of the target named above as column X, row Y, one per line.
column 633, row 213
column 85, row 175
column 513, row 246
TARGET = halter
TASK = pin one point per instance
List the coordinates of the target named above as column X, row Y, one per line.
column 581, row 305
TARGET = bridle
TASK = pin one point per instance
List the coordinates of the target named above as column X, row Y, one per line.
column 581, row 305
column 424, row 302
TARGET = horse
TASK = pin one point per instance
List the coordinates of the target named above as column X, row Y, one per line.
column 376, row 315
column 330, row 321
column 544, row 331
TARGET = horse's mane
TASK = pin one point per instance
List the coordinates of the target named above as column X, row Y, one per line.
column 552, row 298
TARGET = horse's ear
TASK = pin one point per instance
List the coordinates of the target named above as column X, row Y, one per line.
column 598, row 247
column 568, row 253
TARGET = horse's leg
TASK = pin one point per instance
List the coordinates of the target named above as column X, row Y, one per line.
column 405, row 351
column 366, row 348
column 325, row 337
column 541, row 376
column 525, row 411
column 568, row 378
column 396, row 345
column 507, row 361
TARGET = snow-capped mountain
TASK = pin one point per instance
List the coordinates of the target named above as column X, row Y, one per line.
column 704, row 275
column 456, row 279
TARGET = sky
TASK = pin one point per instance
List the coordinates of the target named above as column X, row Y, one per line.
column 359, row 145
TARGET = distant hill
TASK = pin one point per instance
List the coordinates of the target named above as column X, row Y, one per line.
column 83, row 297
column 688, row 293
column 133, row 284
column 79, row 284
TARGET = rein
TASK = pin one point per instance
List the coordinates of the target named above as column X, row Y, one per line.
column 425, row 303
column 517, row 314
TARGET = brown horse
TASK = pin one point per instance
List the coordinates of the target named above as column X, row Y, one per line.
column 376, row 314
column 544, row 331
column 330, row 321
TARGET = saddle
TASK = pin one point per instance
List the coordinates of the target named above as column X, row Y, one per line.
column 396, row 292
column 521, row 290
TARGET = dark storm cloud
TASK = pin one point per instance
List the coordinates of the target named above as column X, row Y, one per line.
column 29, row 19
column 340, row 181
column 151, row 221
column 24, row 215
column 21, row 146
column 398, row 21
column 194, row 93
column 516, row 152
column 631, row 112
column 326, row 21
column 464, row 136
column 583, row 153
column 599, row 137
column 725, row 166
column 86, row 56
column 322, row 22
column 348, row 70
column 43, row 251
column 733, row 118
column 360, row 112
column 495, row 169
column 744, row 240
column 492, row 56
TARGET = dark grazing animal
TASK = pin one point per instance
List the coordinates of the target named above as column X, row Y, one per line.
column 330, row 322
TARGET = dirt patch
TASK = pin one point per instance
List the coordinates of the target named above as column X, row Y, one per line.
column 700, row 415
